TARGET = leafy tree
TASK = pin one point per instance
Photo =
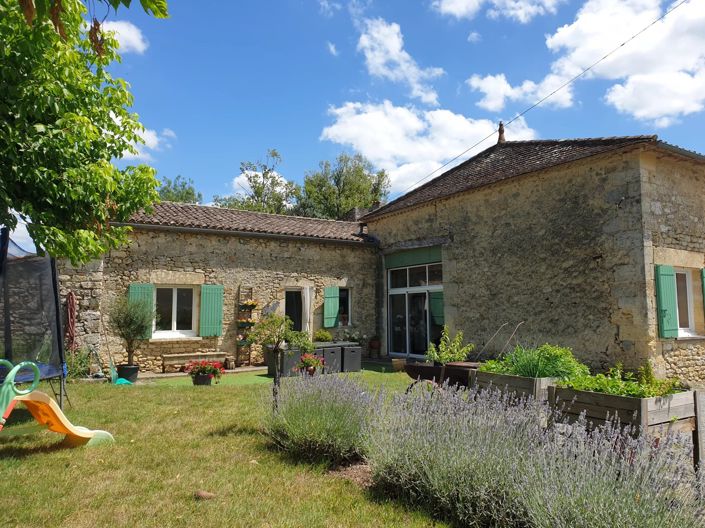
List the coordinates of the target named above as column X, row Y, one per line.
column 63, row 118
column 338, row 187
column 132, row 321
column 266, row 191
column 179, row 189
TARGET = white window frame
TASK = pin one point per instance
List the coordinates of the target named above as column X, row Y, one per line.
column 428, row 289
column 690, row 331
column 174, row 333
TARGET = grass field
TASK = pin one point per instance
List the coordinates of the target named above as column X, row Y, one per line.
column 173, row 439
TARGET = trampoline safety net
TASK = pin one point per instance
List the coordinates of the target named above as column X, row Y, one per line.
column 29, row 320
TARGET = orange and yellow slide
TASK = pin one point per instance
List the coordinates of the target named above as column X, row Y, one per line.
column 45, row 411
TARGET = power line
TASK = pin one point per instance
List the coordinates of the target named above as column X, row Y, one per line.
column 554, row 92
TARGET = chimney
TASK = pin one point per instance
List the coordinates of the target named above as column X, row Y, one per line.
column 501, row 133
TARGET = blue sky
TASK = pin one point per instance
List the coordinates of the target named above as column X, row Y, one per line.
column 408, row 84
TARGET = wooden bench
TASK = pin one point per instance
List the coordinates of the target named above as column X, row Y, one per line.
column 170, row 360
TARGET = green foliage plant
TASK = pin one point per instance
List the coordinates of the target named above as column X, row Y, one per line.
column 337, row 188
column 323, row 335
column 266, row 192
column 545, row 361
column 620, row 383
column 131, row 320
column 449, row 350
column 63, row 120
column 179, row 189
column 78, row 363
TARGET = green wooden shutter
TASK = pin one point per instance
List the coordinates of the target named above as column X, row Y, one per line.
column 211, row 320
column 142, row 293
column 331, row 305
column 435, row 302
column 666, row 301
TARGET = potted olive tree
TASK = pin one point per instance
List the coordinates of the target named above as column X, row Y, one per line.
column 132, row 321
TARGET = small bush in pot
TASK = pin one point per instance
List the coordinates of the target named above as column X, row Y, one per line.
column 545, row 361
column 323, row 336
column 309, row 363
column 132, row 321
column 198, row 370
column 449, row 350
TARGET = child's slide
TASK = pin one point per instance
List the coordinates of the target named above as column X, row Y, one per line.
column 46, row 412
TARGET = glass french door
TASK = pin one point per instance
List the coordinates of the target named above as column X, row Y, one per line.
column 415, row 310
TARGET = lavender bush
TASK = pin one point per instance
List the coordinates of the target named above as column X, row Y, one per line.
column 321, row 418
column 485, row 460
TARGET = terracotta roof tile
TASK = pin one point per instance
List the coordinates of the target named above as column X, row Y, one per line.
column 191, row 216
column 507, row 160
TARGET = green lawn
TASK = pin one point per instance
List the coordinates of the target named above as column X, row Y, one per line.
column 173, row 439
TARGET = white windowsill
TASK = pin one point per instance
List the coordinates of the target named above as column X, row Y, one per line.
column 690, row 338
column 172, row 338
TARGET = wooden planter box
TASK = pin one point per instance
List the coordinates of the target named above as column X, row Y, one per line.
column 657, row 416
column 457, row 373
column 521, row 386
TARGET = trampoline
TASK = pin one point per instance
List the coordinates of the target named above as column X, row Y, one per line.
column 30, row 319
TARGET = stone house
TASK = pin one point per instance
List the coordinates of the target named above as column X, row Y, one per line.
column 597, row 244
column 195, row 263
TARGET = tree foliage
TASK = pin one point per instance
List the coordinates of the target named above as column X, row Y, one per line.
column 336, row 188
column 179, row 189
column 265, row 190
column 63, row 118
column 132, row 320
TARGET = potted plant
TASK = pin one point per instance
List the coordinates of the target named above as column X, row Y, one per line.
column 245, row 322
column 444, row 361
column 322, row 336
column 132, row 321
column 528, row 372
column 641, row 401
column 272, row 332
column 204, row 372
column 308, row 363
column 248, row 304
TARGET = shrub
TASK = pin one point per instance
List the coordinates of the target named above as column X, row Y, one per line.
column 132, row 321
column 323, row 335
column 78, row 363
column 449, row 350
column 620, row 383
column 321, row 418
column 546, row 361
column 486, row 460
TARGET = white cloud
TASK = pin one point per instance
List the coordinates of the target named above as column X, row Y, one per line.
column 474, row 36
column 128, row 35
column 382, row 43
column 332, row 49
column 658, row 77
column 520, row 10
column 409, row 142
column 152, row 142
column 328, row 8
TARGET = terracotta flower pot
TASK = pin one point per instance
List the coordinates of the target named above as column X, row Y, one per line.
column 310, row 370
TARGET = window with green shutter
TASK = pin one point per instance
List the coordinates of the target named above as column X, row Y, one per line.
column 666, row 301
column 211, row 320
column 144, row 293
column 331, row 306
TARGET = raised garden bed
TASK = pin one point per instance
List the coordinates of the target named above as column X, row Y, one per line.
column 658, row 415
column 521, row 386
column 456, row 373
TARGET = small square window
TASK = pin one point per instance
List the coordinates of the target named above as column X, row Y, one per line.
column 174, row 308
column 417, row 276
column 397, row 278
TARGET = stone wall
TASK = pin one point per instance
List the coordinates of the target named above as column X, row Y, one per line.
column 560, row 251
column 674, row 234
column 268, row 265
